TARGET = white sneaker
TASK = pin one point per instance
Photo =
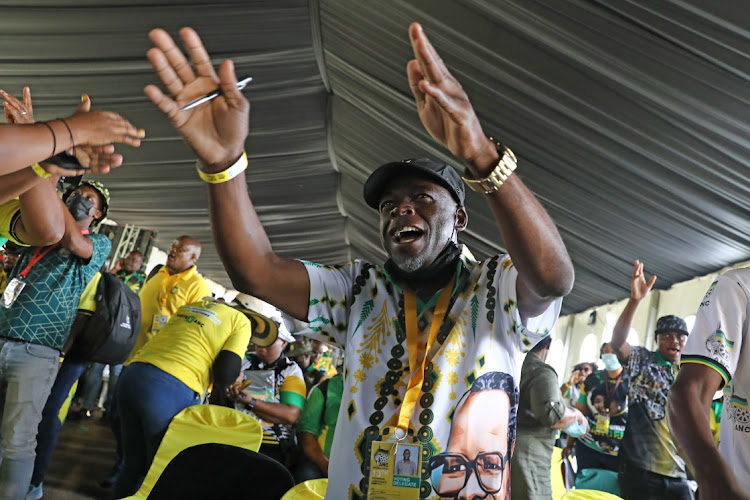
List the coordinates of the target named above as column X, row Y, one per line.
column 35, row 492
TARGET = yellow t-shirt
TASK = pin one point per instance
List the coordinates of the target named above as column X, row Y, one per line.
column 3, row 279
column 87, row 304
column 162, row 295
column 188, row 344
column 10, row 212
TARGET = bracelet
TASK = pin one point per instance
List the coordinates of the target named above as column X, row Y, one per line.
column 38, row 170
column 70, row 133
column 251, row 404
column 505, row 166
column 226, row 175
column 54, row 139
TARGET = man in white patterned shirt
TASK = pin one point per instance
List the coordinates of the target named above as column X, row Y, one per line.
column 419, row 330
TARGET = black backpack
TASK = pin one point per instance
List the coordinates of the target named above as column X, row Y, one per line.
column 110, row 333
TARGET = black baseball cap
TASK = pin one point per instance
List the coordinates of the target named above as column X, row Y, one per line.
column 671, row 323
column 441, row 173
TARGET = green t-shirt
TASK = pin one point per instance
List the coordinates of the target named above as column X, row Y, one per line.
column 134, row 281
column 320, row 421
column 44, row 310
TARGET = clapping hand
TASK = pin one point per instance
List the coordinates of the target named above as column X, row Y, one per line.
column 93, row 127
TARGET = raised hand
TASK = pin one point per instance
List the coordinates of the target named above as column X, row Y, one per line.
column 93, row 133
column 22, row 113
column 444, row 107
column 215, row 130
column 16, row 111
column 639, row 287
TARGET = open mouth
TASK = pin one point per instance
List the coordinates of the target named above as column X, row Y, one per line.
column 407, row 234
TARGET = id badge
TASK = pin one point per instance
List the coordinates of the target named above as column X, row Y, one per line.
column 12, row 291
column 602, row 423
column 395, row 470
column 158, row 321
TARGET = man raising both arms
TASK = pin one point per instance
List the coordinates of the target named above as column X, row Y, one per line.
column 412, row 342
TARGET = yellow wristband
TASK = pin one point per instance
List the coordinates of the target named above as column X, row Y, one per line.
column 38, row 170
column 226, row 175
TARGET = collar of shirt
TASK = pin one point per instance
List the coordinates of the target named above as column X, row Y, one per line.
column 464, row 261
column 184, row 275
column 660, row 359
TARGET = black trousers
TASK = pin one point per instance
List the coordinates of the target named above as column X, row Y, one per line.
column 640, row 484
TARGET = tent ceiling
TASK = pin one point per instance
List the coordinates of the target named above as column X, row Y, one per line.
column 630, row 118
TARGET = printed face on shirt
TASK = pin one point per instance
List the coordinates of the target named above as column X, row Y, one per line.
column 417, row 220
column 598, row 403
column 671, row 345
column 476, row 463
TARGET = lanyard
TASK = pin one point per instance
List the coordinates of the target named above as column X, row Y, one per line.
column 614, row 391
column 414, row 387
column 39, row 254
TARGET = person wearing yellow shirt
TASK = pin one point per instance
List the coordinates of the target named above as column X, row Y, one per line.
column 177, row 283
column 202, row 343
column 12, row 251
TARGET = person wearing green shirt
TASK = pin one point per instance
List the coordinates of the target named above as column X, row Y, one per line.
column 316, row 427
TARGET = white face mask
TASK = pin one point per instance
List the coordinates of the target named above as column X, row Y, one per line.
column 610, row 361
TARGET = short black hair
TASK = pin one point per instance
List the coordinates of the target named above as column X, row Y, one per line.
column 601, row 349
column 542, row 344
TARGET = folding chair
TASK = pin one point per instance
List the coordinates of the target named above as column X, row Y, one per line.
column 196, row 425
column 209, row 471
column 312, row 489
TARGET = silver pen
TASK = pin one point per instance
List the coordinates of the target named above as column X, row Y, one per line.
column 216, row 93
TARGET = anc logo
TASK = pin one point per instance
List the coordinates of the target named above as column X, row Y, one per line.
column 381, row 458
column 719, row 346
column 739, row 411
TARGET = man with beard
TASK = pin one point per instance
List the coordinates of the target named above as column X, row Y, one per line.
column 45, row 287
column 427, row 324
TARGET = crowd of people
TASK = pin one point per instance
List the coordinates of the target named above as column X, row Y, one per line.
column 428, row 400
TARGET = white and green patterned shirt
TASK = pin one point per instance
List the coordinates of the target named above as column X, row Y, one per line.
column 359, row 307
column 718, row 341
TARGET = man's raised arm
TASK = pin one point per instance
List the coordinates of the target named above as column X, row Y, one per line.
column 216, row 132
column 532, row 240
column 639, row 288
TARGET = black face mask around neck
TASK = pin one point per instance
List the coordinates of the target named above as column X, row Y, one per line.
column 79, row 207
column 444, row 262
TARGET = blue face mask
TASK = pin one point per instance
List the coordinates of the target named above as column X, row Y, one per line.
column 576, row 429
column 610, row 361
